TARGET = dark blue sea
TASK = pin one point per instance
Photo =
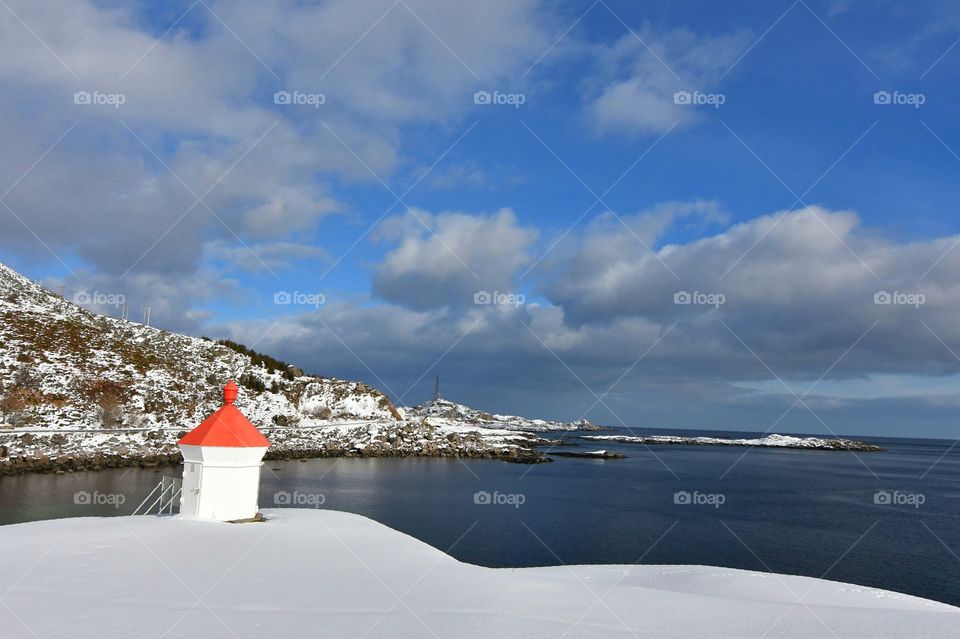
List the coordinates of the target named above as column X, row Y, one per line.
column 887, row 519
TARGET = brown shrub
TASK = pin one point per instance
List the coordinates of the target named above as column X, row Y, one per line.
column 26, row 377
column 94, row 390
column 19, row 399
column 109, row 411
column 108, row 397
column 323, row 412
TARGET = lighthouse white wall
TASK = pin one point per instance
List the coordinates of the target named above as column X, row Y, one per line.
column 221, row 482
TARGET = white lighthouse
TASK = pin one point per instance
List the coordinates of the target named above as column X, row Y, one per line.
column 221, row 465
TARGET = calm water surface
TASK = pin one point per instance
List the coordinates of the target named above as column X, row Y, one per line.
column 797, row 512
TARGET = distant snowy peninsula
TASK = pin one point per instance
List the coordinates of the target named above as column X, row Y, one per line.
column 445, row 412
column 769, row 441
column 323, row 573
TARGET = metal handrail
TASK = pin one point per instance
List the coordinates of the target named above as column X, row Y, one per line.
column 157, row 500
column 137, row 509
column 161, row 502
column 173, row 498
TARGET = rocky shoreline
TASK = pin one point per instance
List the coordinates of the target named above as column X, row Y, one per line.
column 62, row 464
column 594, row 454
column 61, row 452
column 67, row 463
column 68, row 452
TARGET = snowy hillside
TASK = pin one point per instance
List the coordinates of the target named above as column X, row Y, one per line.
column 79, row 390
column 63, row 367
column 323, row 573
column 442, row 411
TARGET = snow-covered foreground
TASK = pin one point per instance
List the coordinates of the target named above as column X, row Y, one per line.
column 331, row 574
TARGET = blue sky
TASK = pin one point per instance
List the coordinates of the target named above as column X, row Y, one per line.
column 799, row 108
column 798, row 197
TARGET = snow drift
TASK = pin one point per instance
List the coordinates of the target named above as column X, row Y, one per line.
column 308, row 573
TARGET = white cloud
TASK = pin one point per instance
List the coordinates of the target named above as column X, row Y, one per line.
column 798, row 286
column 172, row 300
column 634, row 92
column 444, row 259
column 799, row 300
column 253, row 258
column 201, row 99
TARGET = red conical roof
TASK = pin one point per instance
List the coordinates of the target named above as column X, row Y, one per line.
column 226, row 427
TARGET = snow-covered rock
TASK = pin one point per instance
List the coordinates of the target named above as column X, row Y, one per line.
column 769, row 441
column 321, row 573
column 442, row 411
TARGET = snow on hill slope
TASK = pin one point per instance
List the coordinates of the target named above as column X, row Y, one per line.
column 441, row 411
column 62, row 367
column 111, row 392
column 323, row 573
